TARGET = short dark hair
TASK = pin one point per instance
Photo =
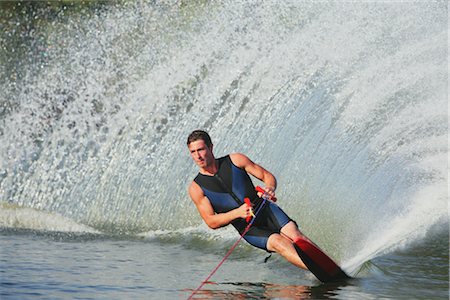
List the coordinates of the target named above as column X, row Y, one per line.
column 199, row 135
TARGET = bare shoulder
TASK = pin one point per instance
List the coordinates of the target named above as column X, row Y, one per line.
column 195, row 191
column 200, row 200
column 240, row 160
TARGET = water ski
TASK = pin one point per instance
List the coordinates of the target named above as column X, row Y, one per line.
column 320, row 264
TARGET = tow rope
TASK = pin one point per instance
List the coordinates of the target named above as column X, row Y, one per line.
column 265, row 197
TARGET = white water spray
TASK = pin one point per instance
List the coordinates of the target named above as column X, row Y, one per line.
column 345, row 103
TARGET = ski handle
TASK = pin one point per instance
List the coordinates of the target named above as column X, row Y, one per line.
column 264, row 196
column 247, row 201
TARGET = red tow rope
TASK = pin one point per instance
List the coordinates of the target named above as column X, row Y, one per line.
column 265, row 197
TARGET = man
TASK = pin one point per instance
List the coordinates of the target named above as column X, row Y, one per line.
column 218, row 192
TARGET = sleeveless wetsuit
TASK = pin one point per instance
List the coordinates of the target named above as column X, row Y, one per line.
column 229, row 180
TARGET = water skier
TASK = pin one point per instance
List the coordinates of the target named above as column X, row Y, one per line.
column 218, row 192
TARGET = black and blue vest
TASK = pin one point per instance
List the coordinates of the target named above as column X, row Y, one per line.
column 220, row 188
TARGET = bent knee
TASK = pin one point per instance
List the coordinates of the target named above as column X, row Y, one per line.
column 277, row 243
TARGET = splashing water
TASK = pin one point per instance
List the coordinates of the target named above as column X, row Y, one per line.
column 344, row 103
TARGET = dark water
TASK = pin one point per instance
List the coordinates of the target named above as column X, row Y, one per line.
column 89, row 266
